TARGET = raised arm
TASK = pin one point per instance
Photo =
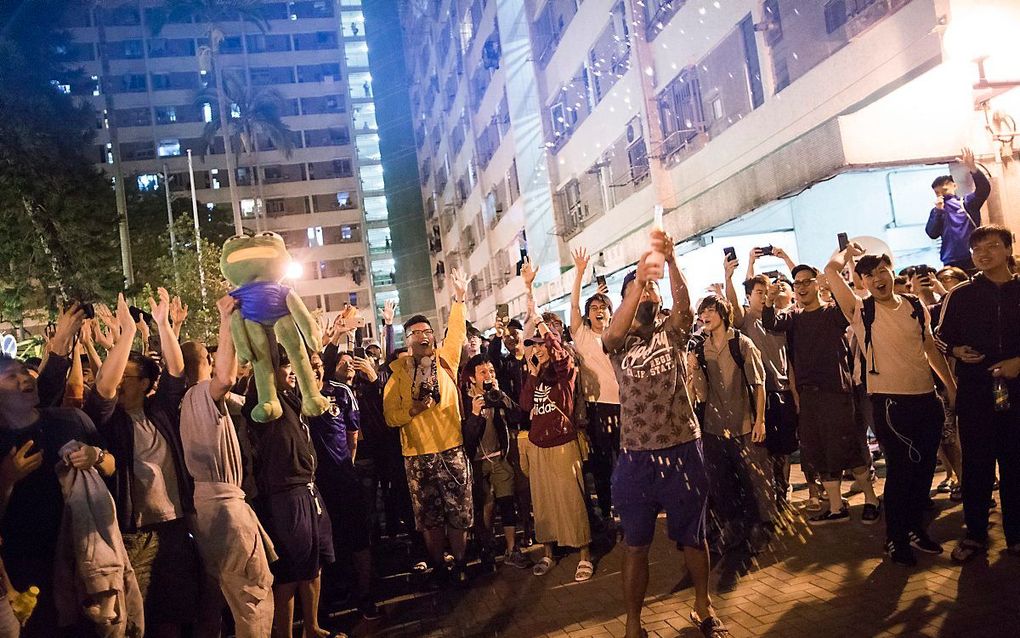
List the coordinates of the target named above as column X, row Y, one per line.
column 528, row 273
column 173, row 358
column 982, row 188
column 388, row 312
column 581, row 260
column 729, row 267
column 226, row 357
column 681, row 316
column 112, row 372
column 844, row 294
column 615, row 336
column 306, row 323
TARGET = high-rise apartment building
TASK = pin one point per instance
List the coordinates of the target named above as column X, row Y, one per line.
column 326, row 198
column 545, row 125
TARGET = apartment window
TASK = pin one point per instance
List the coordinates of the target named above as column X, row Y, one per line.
column 268, row 43
column 174, row 81
column 80, row 51
column 275, row 11
column 315, row 41
column 835, row 15
column 133, row 151
column 166, row 114
column 323, row 104
column 132, row 83
column 343, row 168
column 125, row 15
column 315, row 237
column 315, row 9
column 154, row 15
column 177, row 48
column 335, row 136
column 126, row 50
column 637, row 157
column 774, row 34
column 346, row 233
column 318, row 72
column 147, row 182
column 266, row 76
column 169, row 148
column 782, row 72
column 658, row 13
column 717, row 109
column 133, row 117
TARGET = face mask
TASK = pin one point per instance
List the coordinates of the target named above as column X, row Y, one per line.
column 646, row 312
column 18, row 409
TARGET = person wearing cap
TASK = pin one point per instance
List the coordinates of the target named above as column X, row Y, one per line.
column 551, row 453
column 600, row 390
column 661, row 464
column 422, row 399
column 832, row 439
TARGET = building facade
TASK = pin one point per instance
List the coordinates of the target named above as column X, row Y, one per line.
column 547, row 125
column 326, row 197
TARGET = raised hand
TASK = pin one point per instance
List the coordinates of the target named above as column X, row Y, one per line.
column 161, row 310
column 226, row 306
column 967, row 159
column 581, row 259
column 388, row 311
column 648, row 271
column 730, row 266
column 528, row 272
column 68, row 325
column 662, row 242
column 458, row 280
column 178, row 312
column 125, row 323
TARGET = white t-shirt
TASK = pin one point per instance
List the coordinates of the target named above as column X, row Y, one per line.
column 897, row 351
column 598, row 376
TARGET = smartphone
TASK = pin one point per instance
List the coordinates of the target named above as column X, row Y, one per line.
column 139, row 315
column 359, row 352
column 730, row 252
column 773, row 275
column 600, row 281
column 520, row 264
column 503, row 311
column 844, row 241
column 360, row 322
column 766, row 250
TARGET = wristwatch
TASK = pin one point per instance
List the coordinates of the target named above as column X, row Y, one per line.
column 101, row 457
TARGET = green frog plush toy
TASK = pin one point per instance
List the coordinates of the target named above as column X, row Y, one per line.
column 256, row 264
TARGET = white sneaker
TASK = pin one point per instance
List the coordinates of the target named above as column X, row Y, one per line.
column 814, row 504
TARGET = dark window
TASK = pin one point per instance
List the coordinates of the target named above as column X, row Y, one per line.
column 774, row 34
column 268, row 43
column 835, row 15
column 133, row 117
column 275, row 11
column 131, row 83
column 323, row 104
column 315, row 41
column 123, row 16
column 177, row 48
column 81, row 51
column 318, row 72
column 272, row 75
column 782, row 73
column 751, row 62
column 125, row 50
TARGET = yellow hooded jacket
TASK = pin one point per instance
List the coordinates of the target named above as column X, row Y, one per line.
column 439, row 428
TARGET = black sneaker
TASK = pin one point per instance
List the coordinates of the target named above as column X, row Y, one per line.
column 923, row 543
column 900, row 553
column 824, row 518
column 871, row 513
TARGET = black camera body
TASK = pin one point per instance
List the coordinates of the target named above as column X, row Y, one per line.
column 766, row 250
column 493, row 396
column 426, row 390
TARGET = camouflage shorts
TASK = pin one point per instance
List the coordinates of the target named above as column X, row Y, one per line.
column 440, row 487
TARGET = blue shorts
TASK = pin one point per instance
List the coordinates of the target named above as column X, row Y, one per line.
column 646, row 482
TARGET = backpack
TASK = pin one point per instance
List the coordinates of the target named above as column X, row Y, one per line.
column 868, row 318
column 738, row 359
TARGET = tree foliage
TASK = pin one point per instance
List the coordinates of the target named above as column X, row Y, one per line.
column 58, row 234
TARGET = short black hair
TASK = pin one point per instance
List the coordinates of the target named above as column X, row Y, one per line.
column 597, row 297
column 147, row 367
column 868, row 263
column 942, row 180
column 416, row 319
column 474, row 362
column 757, row 280
column 6, row 362
column 988, row 231
column 801, row 267
column 515, row 324
column 900, row 280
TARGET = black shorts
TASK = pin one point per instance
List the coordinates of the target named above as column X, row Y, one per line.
column 344, row 495
column 781, row 423
column 298, row 524
column 168, row 569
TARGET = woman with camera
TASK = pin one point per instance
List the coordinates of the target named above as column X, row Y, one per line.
column 551, row 453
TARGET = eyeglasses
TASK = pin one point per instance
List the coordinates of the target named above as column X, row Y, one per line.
column 803, row 283
column 428, row 332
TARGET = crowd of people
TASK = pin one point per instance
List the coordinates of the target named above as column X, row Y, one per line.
column 141, row 497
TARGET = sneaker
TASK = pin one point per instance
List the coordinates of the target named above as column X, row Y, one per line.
column 923, row 543
column 871, row 513
column 814, row 504
column 516, row 559
column 828, row 516
column 900, row 553
column 945, row 487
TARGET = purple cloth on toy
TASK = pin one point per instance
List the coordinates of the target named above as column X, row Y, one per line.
column 262, row 301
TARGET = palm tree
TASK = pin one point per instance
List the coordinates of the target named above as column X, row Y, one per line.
column 256, row 114
column 213, row 13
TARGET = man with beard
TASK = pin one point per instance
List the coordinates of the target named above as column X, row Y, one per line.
column 661, row 464
column 598, row 381
column 831, row 438
column 980, row 328
column 422, row 399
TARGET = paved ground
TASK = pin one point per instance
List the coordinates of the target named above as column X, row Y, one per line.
column 814, row 582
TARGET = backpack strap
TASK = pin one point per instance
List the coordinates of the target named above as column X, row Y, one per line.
column 868, row 318
column 738, row 359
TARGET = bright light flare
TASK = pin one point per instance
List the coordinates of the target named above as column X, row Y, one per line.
column 294, row 270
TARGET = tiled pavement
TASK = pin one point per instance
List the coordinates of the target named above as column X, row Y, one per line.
column 823, row 582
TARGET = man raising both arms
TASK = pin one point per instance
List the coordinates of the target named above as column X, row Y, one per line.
column 661, row 464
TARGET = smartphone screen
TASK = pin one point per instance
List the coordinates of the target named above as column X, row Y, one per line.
column 844, row 241
column 730, row 252
column 600, row 281
column 359, row 352
column 502, row 311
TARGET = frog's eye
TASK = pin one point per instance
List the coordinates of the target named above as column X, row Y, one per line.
column 235, row 238
column 266, row 234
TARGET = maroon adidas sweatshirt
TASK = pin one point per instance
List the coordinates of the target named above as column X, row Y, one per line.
column 549, row 397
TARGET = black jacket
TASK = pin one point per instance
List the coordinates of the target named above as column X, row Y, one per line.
column 986, row 317
column 505, row 418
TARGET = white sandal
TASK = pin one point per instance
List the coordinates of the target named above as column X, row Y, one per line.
column 585, row 570
column 542, row 567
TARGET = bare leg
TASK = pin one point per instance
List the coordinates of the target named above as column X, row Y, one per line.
column 635, row 584
column 458, row 542
column 586, row 553
column 435, row 543
column 510, row 536
column 308, row 590
column 863, row 477
column 283, row 610
column 835, row 496
column 698, row 565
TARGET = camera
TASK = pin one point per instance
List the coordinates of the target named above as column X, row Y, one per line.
column 87, row 309
column 426, row 390
column 493, row 396
column 766, row 250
